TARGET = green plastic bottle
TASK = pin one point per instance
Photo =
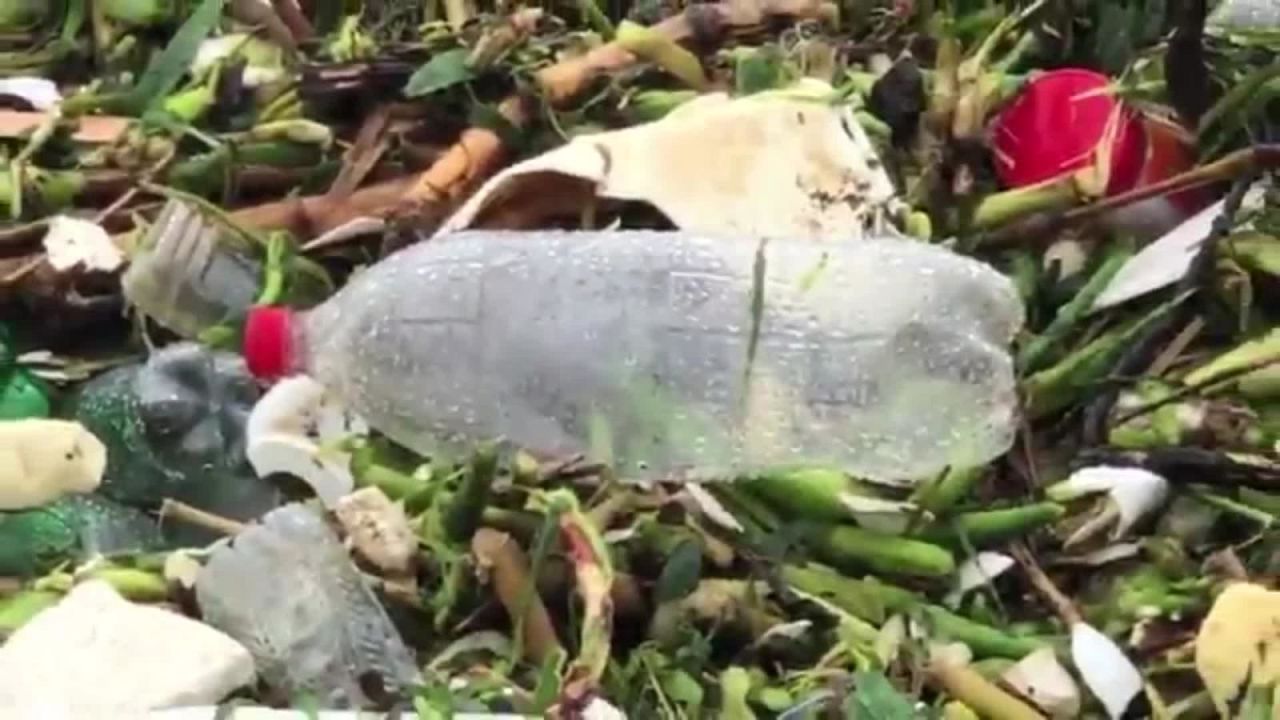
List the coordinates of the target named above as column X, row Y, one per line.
column 174, row 427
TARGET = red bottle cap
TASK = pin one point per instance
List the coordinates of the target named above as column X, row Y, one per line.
column 268, row 342
column 1059, row 123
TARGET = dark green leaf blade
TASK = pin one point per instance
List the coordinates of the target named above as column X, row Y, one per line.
column 442, row 71
column 875, row 698
column 681, row 573
column 166, row 69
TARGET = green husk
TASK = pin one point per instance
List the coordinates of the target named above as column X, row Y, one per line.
column 992, row 527
column 19, row 609
column 850, row 547
column 1071, row 314
column 874, row 601
column 1056, row 388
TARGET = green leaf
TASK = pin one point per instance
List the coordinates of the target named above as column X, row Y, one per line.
column 548, row 687
column 444, row 70
column 876, row 699
column 684, row 690
column 166, row 69
column 758, row 70
column 681, row 573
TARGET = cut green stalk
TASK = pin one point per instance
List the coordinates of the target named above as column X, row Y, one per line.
column 139, row 13
column 136, row 585
column 1071, row 314
column 596, row 18
column 465, row 509
column 1058, row 193
column 18, row 610
column 811, row 493
column 966, row 685
column 847, row 546
column 395, row 484
column 651, row 105
column 651, row 45
column 873, row 601
column 954, row 485
column 1057, row 387
column 992, row 527
column 1257, row 384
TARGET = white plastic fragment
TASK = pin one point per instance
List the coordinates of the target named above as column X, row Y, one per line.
column 779, row 163
column 288, row 429
column 378, row 529
column 1105, row 669
column 96, row 654
column 1165, row 261
column 1135, row 492
column 711, row 507
column 886, row 516
column 976, row 572
column 42, row 460
column 72, row 242
column 1040, row 678
column 42, row 93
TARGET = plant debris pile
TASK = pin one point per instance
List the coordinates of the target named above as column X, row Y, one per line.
column 168, row 165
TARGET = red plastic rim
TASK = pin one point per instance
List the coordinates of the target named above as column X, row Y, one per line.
column 268, row 342
column 1057, row 125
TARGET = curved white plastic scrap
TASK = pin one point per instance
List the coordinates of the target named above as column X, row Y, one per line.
column 1135, row 492
column 1105, row 669
column 43, row 460
column 1165, row 261
column 42, row 93
column 1040, row 678
column 288, row 429
column 976, row 572
column 779, row 163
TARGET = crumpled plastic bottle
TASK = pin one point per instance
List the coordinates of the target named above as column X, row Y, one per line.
column 187, row 276
column 1246, row 15
column 287, row 590
column 174, row 427
column 669, row 355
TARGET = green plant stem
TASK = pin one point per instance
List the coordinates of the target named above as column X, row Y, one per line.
column 1070, row 314
column 847, row 546
column 465, row 509
column 992, row 527
column 1000, row 208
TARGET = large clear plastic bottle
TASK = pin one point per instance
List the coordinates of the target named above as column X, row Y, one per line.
column 670, row 355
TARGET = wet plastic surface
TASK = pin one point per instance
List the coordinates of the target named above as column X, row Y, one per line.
column 678, row 356
column 187, row 278
column 287, row 590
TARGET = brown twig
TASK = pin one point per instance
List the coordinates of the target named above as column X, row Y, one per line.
column 1238, row 164
column 509, row 569
column 183, row 512
column 1043, row 585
